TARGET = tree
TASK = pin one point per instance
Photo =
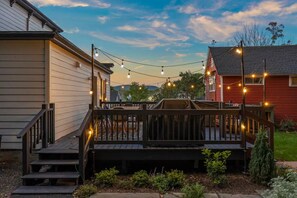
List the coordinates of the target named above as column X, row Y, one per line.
column 137, row 92
column 189, row 86
column 276, row 31
column 252, row 35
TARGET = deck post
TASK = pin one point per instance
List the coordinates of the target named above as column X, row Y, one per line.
column 45, row 126
column 25, row 153
column 92, row 139
column 53, row 122
column 144, row 119
column 243, row 138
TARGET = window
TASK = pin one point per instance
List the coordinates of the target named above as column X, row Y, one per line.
column 293, row 81
column 211, row 62
column 254, row 81
column 212, row 83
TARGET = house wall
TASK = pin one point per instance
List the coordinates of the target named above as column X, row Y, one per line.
column 22, row 86
column 278, row 93
column 15, row 18
column 69, row 88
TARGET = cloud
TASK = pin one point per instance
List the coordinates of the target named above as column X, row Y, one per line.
column 72, row 31
column 102, row 19
column 222, row 28
column 180, row 55
column 157, row 24
column 142, row 43
column 127, row 28
column 188, row 9
column 201, row 54
column 71, row 3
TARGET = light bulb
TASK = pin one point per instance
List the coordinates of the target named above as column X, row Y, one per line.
column 265, row 74
column 253, row 75
column 238, row 51
column 96, row 53
column 266, row 103
column 228, row 87
column 192, row 86
column 91, row 92
column 239, row 84
column 244, row 90
column 162, row 71
column 129, row 76
column 90, row 132
column 122, row 65
column 208, row 73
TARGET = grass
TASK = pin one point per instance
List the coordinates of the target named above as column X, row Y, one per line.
column 285, row 146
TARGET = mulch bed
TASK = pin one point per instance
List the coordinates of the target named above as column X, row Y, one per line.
column 237, row 184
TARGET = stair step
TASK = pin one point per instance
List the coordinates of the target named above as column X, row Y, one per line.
column 57, row 151
column 52, row 175
column 55, row 162
column 23, row 190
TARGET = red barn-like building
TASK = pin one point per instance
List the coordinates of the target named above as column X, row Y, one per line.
column 223, row 77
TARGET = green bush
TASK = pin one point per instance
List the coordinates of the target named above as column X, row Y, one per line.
column 140, row 179
column 287, row 125
column 85, row 191
column 283, row 187
column 175, row 178
column 216, row 165
column 124, row 184
column 262, row 163
column 193, row 191
column 107, row 177
column 160, row 183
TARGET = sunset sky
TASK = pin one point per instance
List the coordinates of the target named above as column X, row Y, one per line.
column 161, row 32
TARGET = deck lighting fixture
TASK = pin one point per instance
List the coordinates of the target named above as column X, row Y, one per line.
column 244, row 90
column 91, row 92
column 162, row 71
column 238, row 51
column 122, row 65
column 253, row 75
column 90, row 132
column 129, row 75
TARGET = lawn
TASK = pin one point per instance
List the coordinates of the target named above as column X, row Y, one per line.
column 285, row 146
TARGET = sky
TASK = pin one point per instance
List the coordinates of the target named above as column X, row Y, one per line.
column 161, row 32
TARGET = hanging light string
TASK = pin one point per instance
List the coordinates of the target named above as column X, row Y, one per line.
column 147, row 64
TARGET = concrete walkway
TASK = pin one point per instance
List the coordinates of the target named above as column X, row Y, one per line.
column 292, row 164
column 171, row 195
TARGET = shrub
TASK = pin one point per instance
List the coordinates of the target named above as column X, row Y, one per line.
column 287, row 125
column 124, row 184
column 107, row 177
column 85, row 191
column 262, row 163
column 193, row 191
column 283, row 187
column 160, row 183
column 175, row 178
column 140, row 179
column 216, row 165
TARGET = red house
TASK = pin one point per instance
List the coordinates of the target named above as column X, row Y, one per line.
column 223, row 77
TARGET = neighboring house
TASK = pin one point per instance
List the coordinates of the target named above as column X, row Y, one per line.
column 38, row 65
column 223, row 77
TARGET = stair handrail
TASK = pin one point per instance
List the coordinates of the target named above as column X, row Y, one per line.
column 84, row 142
column 40, row 128
column 265, row 122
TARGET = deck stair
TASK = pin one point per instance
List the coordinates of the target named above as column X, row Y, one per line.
column 54, row 172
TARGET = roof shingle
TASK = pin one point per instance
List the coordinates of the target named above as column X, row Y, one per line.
column 280, row 60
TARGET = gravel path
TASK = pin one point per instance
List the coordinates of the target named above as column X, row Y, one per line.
column 10, row 172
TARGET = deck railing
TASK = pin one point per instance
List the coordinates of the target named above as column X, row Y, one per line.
column 167, row 127
column 110, row 105
column 38, row 133
column 84, row 134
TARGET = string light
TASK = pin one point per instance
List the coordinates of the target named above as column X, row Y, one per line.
column 242, row 126
column 169, row 83
column 129, row 75
column 122, row 65
column 265, row 74
column 91, row 92
column 238, row 51
column 140, row 88
column 228, row 87
column 173, row 85
column 266, row 104
column 244, row 90
column 220, row 86
column 162, row 71
column 208, row 73
column 123, row 86
column 203, row 67
column 239, row 84
column 192, row 86
column 253, row 75
column 96, row 53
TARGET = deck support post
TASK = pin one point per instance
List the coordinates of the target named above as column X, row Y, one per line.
column 45, row 127
column 144, row 123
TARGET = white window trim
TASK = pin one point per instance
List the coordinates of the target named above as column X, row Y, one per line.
column 252, row 84
column 214, row 82
column 290, row 81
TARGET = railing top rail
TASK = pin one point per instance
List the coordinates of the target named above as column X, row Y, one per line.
column 264, row 121
column 31, row 123
column 84, row 124
column 170, row 111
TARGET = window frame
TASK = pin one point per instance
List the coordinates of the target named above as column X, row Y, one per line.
column 290, row 81
column 212, row 87
column 253, row 83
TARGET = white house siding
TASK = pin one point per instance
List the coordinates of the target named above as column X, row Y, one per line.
column 69, row 89
column 15, row 18
column 22, row 86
